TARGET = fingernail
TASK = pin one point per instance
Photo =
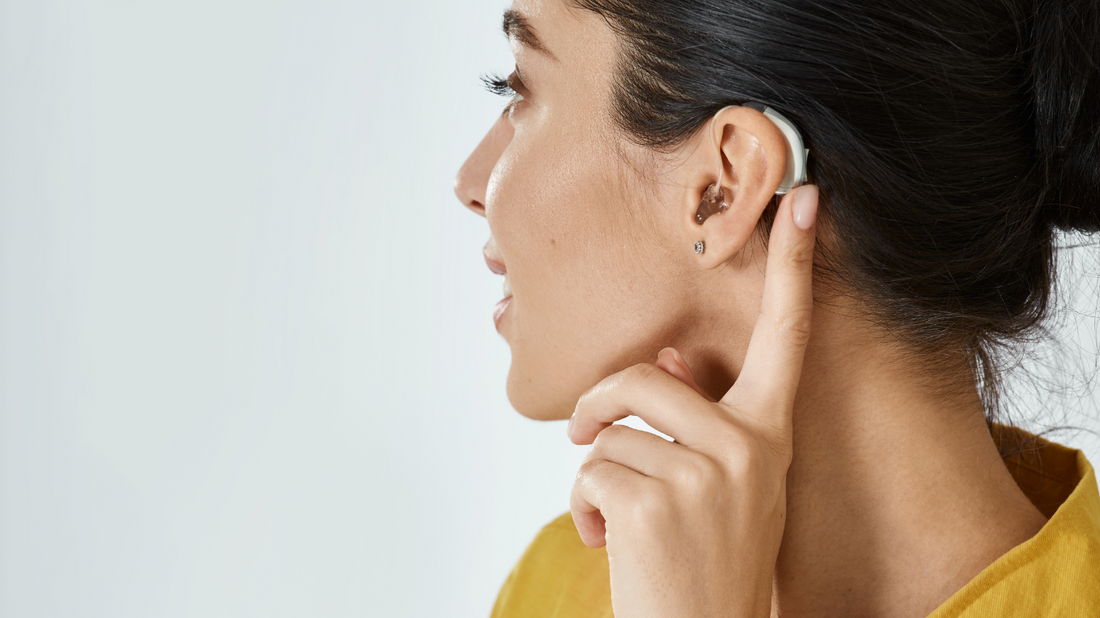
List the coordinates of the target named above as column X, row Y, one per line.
column 676, row 356
column 805, row 207
column 569, row 429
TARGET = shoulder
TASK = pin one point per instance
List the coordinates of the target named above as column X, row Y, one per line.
column 1055, row 573
column 558, row 576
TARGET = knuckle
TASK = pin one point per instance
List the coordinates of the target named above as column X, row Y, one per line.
column 742, row 458
column 751, row 458
column 731, row 436
column 607, row 387
column 740, row 464
column 698, row 476
column 605, row 440
column 591, row 468
column 600, row 389
column 801, row 256
column 587, row 397
column 794, row 327
column 652, row 507
column 591, row 471
column 642, row 372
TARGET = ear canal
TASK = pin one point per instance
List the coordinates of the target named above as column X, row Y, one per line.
column 714, row 201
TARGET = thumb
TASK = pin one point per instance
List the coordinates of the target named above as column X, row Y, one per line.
column 674, row 364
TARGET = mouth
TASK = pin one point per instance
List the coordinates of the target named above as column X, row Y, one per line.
column 498, row 311
column 498, row 267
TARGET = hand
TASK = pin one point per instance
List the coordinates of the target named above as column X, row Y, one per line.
column 693, row 526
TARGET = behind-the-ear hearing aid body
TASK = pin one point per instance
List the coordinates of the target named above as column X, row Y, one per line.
column 797, row 153
column 714, row 197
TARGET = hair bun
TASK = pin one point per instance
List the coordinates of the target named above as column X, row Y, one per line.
column 1065, row 79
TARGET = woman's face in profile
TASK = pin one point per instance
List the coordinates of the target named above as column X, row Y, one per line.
column 585, row 223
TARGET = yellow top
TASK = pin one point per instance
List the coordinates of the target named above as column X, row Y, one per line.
column 1055, row 573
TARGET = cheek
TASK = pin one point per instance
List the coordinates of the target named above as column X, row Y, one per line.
column 548, row 190
column 560, row 222
column 586, row 268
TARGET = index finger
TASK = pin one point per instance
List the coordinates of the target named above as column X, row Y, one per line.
column 773, row 365
column 651, row 394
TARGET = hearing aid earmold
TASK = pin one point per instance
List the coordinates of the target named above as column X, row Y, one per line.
column 714, row 201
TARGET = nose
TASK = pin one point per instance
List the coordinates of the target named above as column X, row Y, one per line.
column 472, row 179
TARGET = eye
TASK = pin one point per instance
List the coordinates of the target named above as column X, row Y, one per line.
column 511, row 86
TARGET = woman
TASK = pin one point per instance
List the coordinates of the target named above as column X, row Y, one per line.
column 832, row 454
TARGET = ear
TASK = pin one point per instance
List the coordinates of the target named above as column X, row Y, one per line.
column 752, row 153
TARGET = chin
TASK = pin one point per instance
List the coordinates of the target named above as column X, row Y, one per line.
column 537, row 399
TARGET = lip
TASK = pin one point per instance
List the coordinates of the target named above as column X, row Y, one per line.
column 498, row 311
column 495, row 266
column 498, row 268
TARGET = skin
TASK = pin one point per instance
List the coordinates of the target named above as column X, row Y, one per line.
column 819, row 471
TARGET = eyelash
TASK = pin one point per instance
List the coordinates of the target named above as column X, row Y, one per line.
column 505, row 87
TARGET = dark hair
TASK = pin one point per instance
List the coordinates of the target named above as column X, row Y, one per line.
column 949, row 138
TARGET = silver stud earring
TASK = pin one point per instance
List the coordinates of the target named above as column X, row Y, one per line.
column 700, row 246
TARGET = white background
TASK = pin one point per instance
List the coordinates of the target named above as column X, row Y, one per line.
column 247, row 363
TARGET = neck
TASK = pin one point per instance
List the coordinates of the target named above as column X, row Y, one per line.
column 896, row 496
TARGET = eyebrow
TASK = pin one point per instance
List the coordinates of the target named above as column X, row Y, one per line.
column 516, row 26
